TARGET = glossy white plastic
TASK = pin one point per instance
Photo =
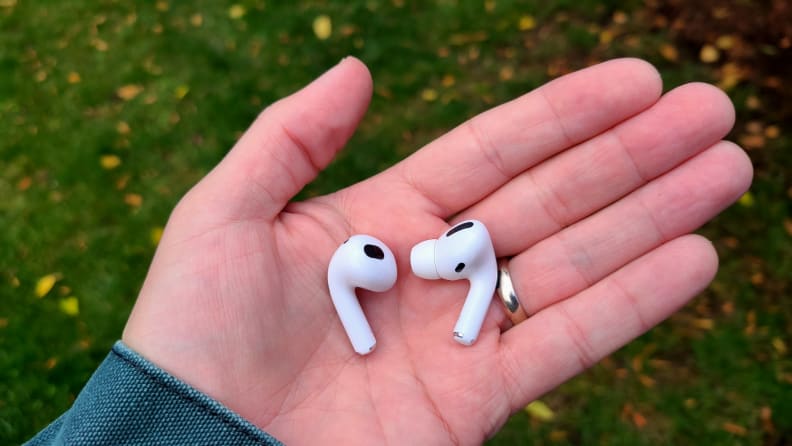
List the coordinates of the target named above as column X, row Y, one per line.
column 463, row 252
column 360, row 262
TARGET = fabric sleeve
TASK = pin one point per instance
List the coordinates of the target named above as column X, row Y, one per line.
column 129, row 400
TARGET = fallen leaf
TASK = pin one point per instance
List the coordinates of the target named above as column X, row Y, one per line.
column 709, row 54
column 646, row 381
column 45, row 284
column 156, row 235
column 704, row 323
column 129, row 92
column 526, row 23
column 181, row 91
column 123, row 128
column 620, row 17
column 134, row 200
column 109, row 162
column 753, row 103
column 162, row 6
column 8, row 3
column 752, row 142
column 772, row 131
column 734, row 429
column 99, row 44
column 558, row 436
column 750, row 323
column 690, row 403
column 74, row 77
column 322, row 27
column 506, row 73
column 69, row 306
column 448, row 80
column 766, row 415
column 196, row 20
column 757, row 278
column 788, row 226
column 3, row 322
column 540, row 411
column 489, row 5
column 51, row 363
column 638, row 420
column 747, row 199
column 237, row 11
column 24, row 183
column 429, row 94
column 669, row 52
column 779, row 345
column 725, row 42
column 606, row 36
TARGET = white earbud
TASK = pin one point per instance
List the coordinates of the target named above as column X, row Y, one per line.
column 360, row 262
column 463, row 252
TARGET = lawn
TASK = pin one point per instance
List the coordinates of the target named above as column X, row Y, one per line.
column 110, row 111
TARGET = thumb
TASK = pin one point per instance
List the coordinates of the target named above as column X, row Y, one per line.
column 288, row 144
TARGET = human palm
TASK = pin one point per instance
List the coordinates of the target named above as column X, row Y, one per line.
column 589, row 183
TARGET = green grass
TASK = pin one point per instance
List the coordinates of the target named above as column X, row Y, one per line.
column 205, row 76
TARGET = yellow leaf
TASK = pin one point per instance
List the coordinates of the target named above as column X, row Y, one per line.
column 322, row 27
column 162, row 6
column 735, row 429
column 527, row 23
column 110, row 162
column 237, row 11
column 606, row 36
column 181, row 91
column 128, row 92
column 45, row 284
column 779, row 345
column 725, row 42
column 7, row 3
column 156, row 235
column 709, row 54
column 123, row 128
column 448, row 80
column 196, row 20
column 70, row 306
column 134, row 200
column 99, row 44
column 704, row 323
column 506, row 73
column 3, row 322
column 74, row 77
column 669, row 52
column 752, row 142
column 747, row 199
column 539, row 410
column 772, row 131
column 429, row 94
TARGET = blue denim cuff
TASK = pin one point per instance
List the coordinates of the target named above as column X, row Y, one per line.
column 130, row 401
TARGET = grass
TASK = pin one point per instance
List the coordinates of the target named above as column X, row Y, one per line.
column 165, row 88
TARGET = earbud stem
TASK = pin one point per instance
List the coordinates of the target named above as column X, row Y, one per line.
column 477, row 302
column 352, row 318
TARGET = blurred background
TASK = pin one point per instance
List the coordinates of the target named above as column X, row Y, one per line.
column 110, row 111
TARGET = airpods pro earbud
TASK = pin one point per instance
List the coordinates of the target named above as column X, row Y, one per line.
column 463, row 252
column 360, row 262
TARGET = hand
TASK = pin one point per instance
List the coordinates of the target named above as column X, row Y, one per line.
column 592, row 182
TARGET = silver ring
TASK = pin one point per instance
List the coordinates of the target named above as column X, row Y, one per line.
column 508, row 297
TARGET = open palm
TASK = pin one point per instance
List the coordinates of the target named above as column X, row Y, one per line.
column 591, row 184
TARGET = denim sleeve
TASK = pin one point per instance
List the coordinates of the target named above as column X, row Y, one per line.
column 129, row 400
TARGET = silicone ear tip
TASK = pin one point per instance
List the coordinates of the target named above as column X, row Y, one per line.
column 422, row 260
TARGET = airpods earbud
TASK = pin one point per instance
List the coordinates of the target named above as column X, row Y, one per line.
column 463, row 252
column 360, row 262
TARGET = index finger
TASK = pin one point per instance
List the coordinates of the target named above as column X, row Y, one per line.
column 477, row 157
